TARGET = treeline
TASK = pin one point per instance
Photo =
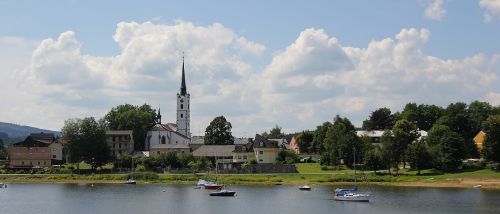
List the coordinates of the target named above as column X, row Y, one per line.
column 450, row 137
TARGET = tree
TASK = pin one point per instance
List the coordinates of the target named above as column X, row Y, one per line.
column 218, row 132
column 287, row 157
column 319, row 137
column 341, row 141
column 419, row 155
column 389, row 150
column 447, row 147
column 3, row 151
column 86, row 141
column 491, row 148
column 373, row 160
column 428, row 115
column 304, row 141
column 380, row 119
column 139, row 119
column 457, row 118
column 405, row 132
column 275, row 133
column 479, row 112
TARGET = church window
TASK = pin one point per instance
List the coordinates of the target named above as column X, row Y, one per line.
column 182, row 106
column 163, row 139
column 182, row 115
column 176, row 142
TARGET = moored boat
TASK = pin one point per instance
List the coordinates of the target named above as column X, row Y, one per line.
column 351, row 196
column 130, row 181
column 223, row 192
column 212, row 186
column 305, row 187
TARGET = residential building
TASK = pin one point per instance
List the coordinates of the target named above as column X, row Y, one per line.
column 38, row 150
column 223, row 154
column 479, row 140
column 293, row 144
column 243, row 153
column 265, row 151
column 120, row 142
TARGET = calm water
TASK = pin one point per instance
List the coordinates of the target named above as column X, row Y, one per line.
column 178, row 199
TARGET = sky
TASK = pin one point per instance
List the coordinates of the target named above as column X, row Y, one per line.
column 295, row 64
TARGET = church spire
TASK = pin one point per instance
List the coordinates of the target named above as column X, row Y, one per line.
column 183, row 84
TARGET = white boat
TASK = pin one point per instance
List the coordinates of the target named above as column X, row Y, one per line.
column 131, row 180
column 478, row 186
column 2, row 185
column 305, row 187
column 351, row 194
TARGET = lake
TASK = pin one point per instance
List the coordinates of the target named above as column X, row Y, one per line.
column 178, row 199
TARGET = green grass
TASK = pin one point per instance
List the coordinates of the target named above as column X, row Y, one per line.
column 304, row 168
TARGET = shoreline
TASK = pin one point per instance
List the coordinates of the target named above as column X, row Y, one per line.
column 255, row 179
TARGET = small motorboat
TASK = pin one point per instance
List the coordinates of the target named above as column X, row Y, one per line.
column 223, row 192
column 2, row 185
column 130, row 181
column 478, row 186
column 212, row 186
column 305, row 187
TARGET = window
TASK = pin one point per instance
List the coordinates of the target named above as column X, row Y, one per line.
column 114, row 153
column 260, row 160
column 261, row 144
column 120, row 145
column 44, row 163
column 244, row 157
column 31, row 163
column 38, row 163
column 114, row 138
column 22, row 163
column 182, row 115
column 114, row 145
column 175, row 142
column 53, row 156
column 261, row 152
column 163, row 139
column 182, row 106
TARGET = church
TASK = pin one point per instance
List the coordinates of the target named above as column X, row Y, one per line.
column 170, row 137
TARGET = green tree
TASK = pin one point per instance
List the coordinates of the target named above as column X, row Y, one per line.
column 86, row 141
column 389, row 150
column 139, row 119
column 419, row 155
column 410, row 112
column 491, row 148
column 275, row 133
column 458, row 119
column 341, row 141
column 218, row 132
column 287, row 157
column 373, row 160
column 428, row 115
column 380, row 119
column 304, row 141
column 404, row 132
column 319, row 137
column 447, row 147
column 3, row 151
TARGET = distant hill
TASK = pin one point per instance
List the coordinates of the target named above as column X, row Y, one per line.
column 12, row 132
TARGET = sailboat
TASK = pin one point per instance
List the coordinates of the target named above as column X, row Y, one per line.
column 221, row 189
column 131, row 180
column 351, row 194
column 211, row 184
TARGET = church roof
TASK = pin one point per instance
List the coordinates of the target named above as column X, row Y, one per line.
column 162, row 127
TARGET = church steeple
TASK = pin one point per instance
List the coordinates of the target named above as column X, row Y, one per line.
column 183, row 84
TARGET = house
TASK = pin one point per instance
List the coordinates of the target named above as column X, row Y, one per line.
column 223, row 154
column 265, row 151
column 479, row 140
column 120, row 142
column 243, row 153
column 38, row 150
column 292, row 143
column 376, row 135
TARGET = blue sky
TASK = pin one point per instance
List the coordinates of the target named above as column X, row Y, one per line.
column 262, row 39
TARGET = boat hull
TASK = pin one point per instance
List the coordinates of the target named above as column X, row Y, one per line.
column 130, row 182
column 352, row 197
column 224, row 194
column 212, row 186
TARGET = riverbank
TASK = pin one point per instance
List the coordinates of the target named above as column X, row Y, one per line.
column 486, row 178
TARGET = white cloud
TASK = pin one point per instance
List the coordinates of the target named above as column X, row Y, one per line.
column 305, row 84
column 492, row 9
column 435, row 11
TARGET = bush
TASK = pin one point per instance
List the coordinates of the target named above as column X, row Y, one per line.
column 494, row 166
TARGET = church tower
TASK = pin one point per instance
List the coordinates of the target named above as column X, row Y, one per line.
column 183, row 115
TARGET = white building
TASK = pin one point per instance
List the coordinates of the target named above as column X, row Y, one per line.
column 164, row 138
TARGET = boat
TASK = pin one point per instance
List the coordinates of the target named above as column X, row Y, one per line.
column 351, row 194
column 212, row 186
column 2, row 185
column 223, row 192
column 305, row 187
column 478, row 186
column 131, row 180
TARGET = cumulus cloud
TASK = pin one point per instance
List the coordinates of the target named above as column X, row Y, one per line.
column 306, row 83
column 492, row 9
column 435, row 10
